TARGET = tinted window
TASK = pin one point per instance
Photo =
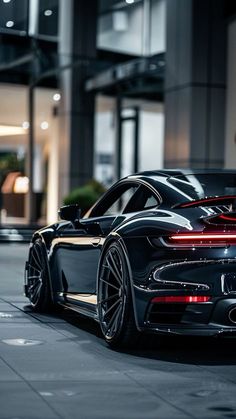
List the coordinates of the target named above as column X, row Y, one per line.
column 187, row 187
column 151, row 202
column 125, row 198
column 120, row 203
column 114, row 201
column 141, row 200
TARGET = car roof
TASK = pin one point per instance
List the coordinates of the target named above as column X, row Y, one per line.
column 177, row 172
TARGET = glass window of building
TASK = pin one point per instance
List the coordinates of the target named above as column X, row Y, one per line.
column 119, row 27
column 48, row 18
column 134, row 27
column 158, row 27
column 14, row 16
column 43, row 19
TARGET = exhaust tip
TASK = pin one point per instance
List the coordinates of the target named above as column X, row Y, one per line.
column 232, row 315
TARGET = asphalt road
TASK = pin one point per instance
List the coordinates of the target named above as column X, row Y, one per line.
column 59, row 366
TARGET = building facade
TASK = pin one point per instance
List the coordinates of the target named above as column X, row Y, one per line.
column 103, row 88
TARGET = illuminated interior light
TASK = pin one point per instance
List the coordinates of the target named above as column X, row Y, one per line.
column 181, row 299
column 6, row 1
column 44, row 125
column 129, row 1
column 6, row 130
column 48, row 12
column 10, row 24
column 56, row 97
column 25, row 125
column 21, row 185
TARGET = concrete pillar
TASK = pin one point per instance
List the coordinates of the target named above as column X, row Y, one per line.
column 38, row 167
column 77, row 43
column 195, row 83
column 230, row 144
column 53, row 170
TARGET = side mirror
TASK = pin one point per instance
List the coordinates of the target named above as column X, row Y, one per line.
column 70, row 212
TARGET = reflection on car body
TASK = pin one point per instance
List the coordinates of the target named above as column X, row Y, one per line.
column 157, row 253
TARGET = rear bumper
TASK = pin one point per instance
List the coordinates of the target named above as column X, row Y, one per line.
column 210, row 330
column 200, row 319
column 203, row 319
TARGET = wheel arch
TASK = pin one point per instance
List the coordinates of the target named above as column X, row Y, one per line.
column 43, row 237
column 46, row 236
column 116, row 238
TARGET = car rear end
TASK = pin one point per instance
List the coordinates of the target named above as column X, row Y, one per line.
column 184, row 273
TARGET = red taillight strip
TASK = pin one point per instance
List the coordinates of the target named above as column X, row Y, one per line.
column 181, row 299
column 203, row 236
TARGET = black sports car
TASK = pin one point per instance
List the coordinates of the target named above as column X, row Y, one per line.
column 156, row 253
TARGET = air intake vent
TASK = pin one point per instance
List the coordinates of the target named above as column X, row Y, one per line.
column 166, row 313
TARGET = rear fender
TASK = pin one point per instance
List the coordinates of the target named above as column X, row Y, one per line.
column 115, row 238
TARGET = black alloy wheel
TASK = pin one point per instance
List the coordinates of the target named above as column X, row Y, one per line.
column 37, row 275
column 115, row 306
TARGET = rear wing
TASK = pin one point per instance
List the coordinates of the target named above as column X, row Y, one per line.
column 213, row 201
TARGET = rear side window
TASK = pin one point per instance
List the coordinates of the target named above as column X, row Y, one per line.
column 141, row 200
column 121, row 202
column 114, row 202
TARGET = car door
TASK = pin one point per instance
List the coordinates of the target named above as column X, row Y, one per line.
column 78, row 248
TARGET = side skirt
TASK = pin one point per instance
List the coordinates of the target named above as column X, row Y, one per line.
column 85, row 304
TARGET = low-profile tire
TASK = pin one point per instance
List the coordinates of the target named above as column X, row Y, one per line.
column 115, row 306
column 37, row 278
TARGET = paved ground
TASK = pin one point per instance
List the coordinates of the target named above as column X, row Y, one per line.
column 53, row 368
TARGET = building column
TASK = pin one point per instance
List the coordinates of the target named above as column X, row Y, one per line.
column 77, row 44
column 195, row 83
column 53, row 169
column 230, row 145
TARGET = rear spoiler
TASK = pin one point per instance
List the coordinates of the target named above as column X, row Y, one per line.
column 223, row 219
column 213, row 201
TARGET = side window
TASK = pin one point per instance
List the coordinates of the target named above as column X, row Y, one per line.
column 142, row 199
column 114, row 202
column 151, row 202
column 120, row 203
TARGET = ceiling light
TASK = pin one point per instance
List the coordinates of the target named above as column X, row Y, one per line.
column 44, row 125
column 56, row 97
column 9, row 24
column 25, row 125
column 129, row 1
column 48, row 12
column 21, row 184
column 11, row 130
column 6, row 1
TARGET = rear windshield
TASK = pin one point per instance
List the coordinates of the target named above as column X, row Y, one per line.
column 190, row 187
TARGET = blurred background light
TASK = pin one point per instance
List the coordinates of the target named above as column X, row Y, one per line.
column 44, row 125
column 11, row 130
column 21, row 184
column 9, row 24
column 25, row 124
column 48, row 12
column 56, row 97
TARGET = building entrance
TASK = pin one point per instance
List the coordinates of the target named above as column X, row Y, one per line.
column 129, row 136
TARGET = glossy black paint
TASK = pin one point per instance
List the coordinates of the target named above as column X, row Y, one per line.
column 75, row 250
